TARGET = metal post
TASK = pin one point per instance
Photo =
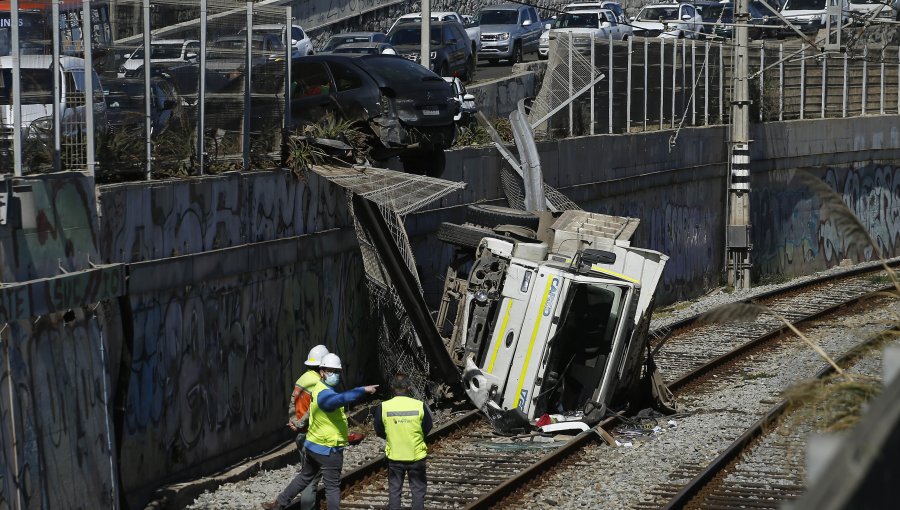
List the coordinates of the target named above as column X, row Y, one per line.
column 722, row 83
column 17, row 88
column 425, row 39
column 571, row 113
column 593, row 76
column 674, row 75
column 148, row 124
column 706, row 86
column 846, row 93
column 662, row 80
column 881, row 83
column 762, row 89
column 248, row 98
column 693, row 82
column 824, row 84
column 201, row 92
column 609, row 82
column 802, row 82
column 57, row 91
column 628, row 88
column 898, row 80
column 865, row 77
column 781, row 81
column 287, row 121
column 88, row 84
column 647, row 81
column 737, row 236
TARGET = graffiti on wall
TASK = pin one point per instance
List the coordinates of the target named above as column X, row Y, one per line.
column 171, row 218
column 793, row 235
column 214, row 364
column 60, row 416
column 53, row 230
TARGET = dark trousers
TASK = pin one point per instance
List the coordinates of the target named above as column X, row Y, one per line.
column 397, row 471
column 308, row 499
column 328, row 466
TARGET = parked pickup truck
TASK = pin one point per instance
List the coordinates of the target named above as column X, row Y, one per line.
column 582, row 24
column 473, row 31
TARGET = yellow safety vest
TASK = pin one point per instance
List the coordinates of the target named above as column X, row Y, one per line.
column 308, row 380
column 326, row 428
column 402, row 418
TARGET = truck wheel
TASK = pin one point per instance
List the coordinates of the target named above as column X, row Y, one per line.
column 517, row 54
column 492, row 215
column 470, row 70
column 465, row 236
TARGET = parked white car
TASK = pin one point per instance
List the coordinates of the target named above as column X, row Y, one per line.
column 37, row 98
column 165, row 51
column 581, row 25
column 473, row 31
column 668, row 20
column 301, row 45
column 615, row 7
column 808, row 16
column 460, row 95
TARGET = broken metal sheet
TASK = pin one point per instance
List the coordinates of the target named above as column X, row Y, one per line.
column 399, row 192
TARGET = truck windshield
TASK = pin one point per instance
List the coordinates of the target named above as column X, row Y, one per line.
column 581, row 346
column 658, row 13
column 581, row 20
column 804, row 5
column 497, row 17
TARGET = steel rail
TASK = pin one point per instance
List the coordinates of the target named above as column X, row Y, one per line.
column 703, row 479
column 502, row 491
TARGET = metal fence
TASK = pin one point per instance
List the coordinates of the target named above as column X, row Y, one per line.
column 209, row 96
column 661, row 83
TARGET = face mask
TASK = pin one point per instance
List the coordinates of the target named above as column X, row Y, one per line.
column 332, row 379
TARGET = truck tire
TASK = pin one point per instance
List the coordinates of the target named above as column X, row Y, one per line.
column 516, row 54
column 466, row 236
column 490, row 216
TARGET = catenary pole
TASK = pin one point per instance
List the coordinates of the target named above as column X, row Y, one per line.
column 737, row 236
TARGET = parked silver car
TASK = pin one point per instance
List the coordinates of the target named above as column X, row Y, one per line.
column 508, row 31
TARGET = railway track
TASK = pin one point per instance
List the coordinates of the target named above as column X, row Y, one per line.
column 467, row 468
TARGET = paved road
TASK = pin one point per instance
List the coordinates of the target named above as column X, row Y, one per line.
column 487, row 71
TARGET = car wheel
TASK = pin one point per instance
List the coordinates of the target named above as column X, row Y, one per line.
column 517, row 54
column 470, row 70
column 491, row 216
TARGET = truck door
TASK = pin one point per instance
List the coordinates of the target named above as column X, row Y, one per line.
column 537, row 326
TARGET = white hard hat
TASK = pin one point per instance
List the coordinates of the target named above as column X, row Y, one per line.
column 331, row 361
column 315, row 355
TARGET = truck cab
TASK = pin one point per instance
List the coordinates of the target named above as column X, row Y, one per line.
column 549, row 326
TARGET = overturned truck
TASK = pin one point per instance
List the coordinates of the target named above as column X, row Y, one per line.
column 549, row 314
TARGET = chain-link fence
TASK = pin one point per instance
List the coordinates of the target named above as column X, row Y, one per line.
column 208, row 96
column 665, row 83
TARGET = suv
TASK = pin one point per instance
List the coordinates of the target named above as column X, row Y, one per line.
column 407, row 109
column 592, row 4
column 668, row 20
column 508, row 31
column 451, row 52
column 301, row 46
column 168, row 51
column 581, row 25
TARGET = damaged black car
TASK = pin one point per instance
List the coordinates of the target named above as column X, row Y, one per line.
column 406, row 109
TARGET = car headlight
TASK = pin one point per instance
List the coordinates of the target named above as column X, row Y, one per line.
column 433, row 55
column 503, row 37
column 122, row 70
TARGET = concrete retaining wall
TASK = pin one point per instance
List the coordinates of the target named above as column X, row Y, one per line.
column 498, row 98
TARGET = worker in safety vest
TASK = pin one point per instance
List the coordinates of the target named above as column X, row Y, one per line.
column 404, row 422
column 326, row 437
column 301, row 398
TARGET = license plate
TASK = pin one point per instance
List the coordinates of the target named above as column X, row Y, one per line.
column 431, row 110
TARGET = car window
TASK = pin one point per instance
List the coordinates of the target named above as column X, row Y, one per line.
column 611, row 18
column 378, row 38
column 193, row 47
column 344, row 77
column 460, row 33
column 534, row 16
column 310, row 79
column 688, row 11
column 657, row 13
column 297, row 34
column 448, row 34
column 497, row 17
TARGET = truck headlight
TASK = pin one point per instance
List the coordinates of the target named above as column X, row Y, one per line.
column 481, row 296
column 503, row 37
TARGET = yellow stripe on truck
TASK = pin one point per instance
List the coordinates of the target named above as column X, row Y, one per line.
column 498, row 340
column 537, row 325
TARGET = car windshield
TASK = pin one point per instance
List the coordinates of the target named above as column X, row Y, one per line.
column 656, row 13
column 712, row 12
column 497, row 17
column 396, row 70
column 337, row 40
column 160, row 51
column 581, row 20
column 36, row 86
column 804, row 5
column 412, row 35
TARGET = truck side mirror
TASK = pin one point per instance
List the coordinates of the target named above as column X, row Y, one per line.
column 526, row 23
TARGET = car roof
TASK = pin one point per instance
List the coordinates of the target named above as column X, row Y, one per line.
column 355, row 34
column 505, row 7
column 587, row 11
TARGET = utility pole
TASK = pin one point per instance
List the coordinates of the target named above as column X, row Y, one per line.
column 426, row 34
column 737, row 234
